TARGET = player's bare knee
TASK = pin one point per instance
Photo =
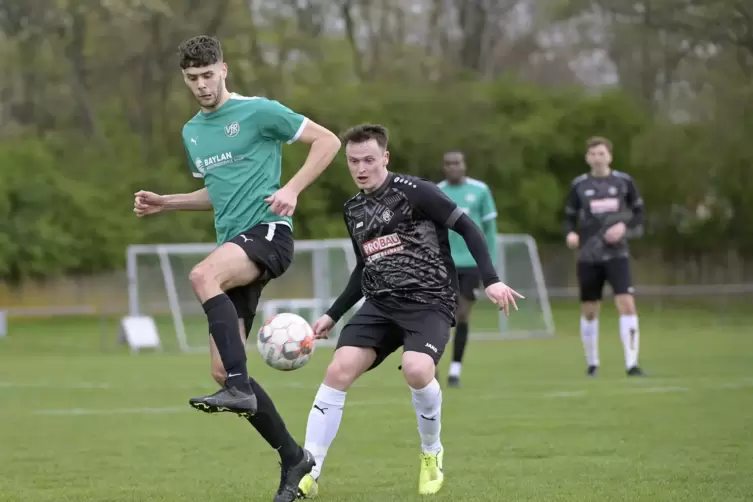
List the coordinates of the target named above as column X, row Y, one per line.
column 625, row 304
column 203, row 280
column 344, row 370
column 418, row 369
column 589, row 310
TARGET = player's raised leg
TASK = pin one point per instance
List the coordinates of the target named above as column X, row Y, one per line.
column 591, row 279
column 227, row 267
column 267, row 421
column 619, row 276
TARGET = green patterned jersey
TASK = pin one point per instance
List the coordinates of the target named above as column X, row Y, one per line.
column 476, row 200
column 237, row 150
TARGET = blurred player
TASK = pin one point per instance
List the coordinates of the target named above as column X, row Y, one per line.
column 603, row 210
column 476, row 200
column 234, row 144
column 398, row 225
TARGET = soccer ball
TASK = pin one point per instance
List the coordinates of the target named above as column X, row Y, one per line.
column 286, row 342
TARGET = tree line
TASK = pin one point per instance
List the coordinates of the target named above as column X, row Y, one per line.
column 94, row 104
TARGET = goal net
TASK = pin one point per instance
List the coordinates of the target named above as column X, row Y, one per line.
column 158, row 288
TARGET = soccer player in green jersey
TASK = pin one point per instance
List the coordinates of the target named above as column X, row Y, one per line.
column 476, row 200
column 234, row 144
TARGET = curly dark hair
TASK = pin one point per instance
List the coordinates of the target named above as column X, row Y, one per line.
column 365, row 132
column 200, row 51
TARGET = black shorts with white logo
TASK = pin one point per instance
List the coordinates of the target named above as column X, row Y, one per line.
column 422, row 330
column 469, row 279
column 271, row 247
column 593, row 275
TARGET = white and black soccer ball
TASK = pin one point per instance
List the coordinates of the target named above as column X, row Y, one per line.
column 286, row 342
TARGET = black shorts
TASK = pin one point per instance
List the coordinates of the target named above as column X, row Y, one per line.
column 420, row 330
column 593, row 275
column 271, row 246
column 469, row 279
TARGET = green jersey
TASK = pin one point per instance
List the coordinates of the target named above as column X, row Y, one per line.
column 237, row 149
column 476, row 200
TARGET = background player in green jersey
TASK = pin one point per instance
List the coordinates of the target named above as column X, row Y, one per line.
column 234, row 144
column 476, row 200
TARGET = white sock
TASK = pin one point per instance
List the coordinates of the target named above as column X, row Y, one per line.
column 324, row 420
column 455, row 368
column 428, row 405
column 589, row 335
column 630, row 337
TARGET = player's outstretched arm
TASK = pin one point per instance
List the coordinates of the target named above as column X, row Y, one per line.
column 324, row 146
column 147, row 203
column 489, row 224
column 352, row 292
column 437, row 206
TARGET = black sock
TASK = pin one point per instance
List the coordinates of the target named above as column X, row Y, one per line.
column 223, row 325
column 270, row 425
column 461, row 339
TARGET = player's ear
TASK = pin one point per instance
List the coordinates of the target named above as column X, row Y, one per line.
column 386, row 157
column 224, row 70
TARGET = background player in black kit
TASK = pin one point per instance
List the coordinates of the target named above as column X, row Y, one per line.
column 603, row 210
column 399, row 228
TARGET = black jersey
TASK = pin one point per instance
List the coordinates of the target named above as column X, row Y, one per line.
column 400, row 234
column 595, row 204
column 400, row 237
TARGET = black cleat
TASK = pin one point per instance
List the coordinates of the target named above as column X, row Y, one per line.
column 227, row 399
column 592, row 371
column 290, row 477
column 453, row 381
column 635, row 371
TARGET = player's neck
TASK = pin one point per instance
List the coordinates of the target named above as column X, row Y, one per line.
column 601, row 173
column 223, row 99
column 457, row 182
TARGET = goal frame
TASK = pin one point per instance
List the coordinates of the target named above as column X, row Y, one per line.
column 323, row 296
column 320, row 272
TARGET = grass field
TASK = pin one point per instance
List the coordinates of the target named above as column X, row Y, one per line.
column 80, row 423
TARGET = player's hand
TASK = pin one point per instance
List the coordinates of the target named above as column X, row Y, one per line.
column 615, row 233
column 503, row 296
column 146, row 203
column 573, row 240
column 323, row 326
column 283, row 201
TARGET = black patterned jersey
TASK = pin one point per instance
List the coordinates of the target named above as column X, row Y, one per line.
column 400, row 238
column 595, row 204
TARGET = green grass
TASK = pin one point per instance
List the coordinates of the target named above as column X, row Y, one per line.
column 83, row 420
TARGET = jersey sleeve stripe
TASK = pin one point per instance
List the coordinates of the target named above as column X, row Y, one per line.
column 198, row 175
column 453, row 218
column 299, row 131
column 489, row 216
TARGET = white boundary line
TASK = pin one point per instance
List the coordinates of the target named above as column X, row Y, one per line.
column 741, row 384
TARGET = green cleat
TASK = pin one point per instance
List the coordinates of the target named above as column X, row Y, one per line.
column 308, row 488
column 431, row 478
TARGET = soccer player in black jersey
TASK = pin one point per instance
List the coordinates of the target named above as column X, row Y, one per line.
column 399, row 228
column 603, row 210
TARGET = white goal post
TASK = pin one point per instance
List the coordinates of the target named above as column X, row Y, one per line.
column 158, row 288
